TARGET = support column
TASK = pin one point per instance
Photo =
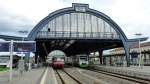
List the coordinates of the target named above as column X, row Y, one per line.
column 144, row 59
column 36, row 57
column 127, row 51
column 110, row 60
column 101, row 56
column 44, row 59
column 41, row 58
column 104, row 60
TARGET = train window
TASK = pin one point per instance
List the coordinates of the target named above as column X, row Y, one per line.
column 58, row 59
column 83, row 58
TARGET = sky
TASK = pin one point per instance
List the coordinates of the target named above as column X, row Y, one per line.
column 133, row 16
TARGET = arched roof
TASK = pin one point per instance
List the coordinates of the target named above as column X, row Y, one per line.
column 7, row 37
column 57, row 13
column 57, row 53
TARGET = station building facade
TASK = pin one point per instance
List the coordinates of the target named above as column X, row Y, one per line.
column 117, row 55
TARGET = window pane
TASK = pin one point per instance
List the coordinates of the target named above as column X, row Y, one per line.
column 80, row 24
column 87, row 25
column 73, row 24
column 66, row 25
column 59, row 23
column 94, row 26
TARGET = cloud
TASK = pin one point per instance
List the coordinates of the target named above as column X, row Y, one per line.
column 12, row 23
column 19, row 15
column 131, row 15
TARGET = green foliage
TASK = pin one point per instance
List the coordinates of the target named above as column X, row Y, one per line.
column 3, row 68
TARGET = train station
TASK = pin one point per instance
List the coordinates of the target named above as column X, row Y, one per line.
column 77, row 36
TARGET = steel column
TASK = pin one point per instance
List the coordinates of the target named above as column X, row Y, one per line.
column 101, row 56
column 127, row 51
column 36, row 57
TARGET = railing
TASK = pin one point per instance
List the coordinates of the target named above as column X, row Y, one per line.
column 79, row 35
column 4, row 60
column 146, row 61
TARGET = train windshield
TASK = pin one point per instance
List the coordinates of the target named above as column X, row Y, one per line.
column 83, row 58
column 58, row 59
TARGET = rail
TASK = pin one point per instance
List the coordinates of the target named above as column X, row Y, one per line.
column 62, row 80
column 126, row 77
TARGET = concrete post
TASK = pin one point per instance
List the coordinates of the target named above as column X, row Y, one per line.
column 11, row 59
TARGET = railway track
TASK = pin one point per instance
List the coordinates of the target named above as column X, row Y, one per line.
column 125, row 77
column 67, row 78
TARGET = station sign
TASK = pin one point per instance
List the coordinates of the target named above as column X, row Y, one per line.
column 24, row 46
column 4, row 46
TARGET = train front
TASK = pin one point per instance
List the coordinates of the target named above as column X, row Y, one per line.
column 58, row 62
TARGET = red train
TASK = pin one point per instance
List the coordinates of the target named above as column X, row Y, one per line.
column 58, row 62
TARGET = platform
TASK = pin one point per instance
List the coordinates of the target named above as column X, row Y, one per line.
column 41, row 75
column 142, row 72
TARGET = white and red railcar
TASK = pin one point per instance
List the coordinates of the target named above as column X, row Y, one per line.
column 58, row 62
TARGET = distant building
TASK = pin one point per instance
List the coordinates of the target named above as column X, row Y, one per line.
column 5, row 60
column 117, row 55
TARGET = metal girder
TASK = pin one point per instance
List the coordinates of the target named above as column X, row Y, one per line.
column 68, row 44
column 7, row 37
